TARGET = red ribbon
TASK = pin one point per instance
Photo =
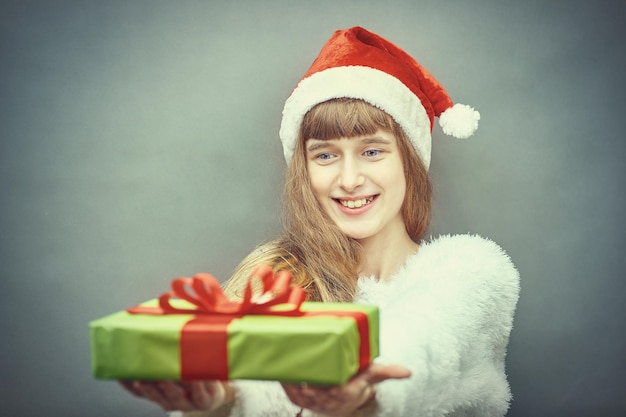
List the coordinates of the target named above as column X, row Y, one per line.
column 204, row 339
column 206, row 294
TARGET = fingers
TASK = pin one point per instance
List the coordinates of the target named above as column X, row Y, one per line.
column 175, row 397
column 318, row 399
column 149, row 390
column 129, row 386
column 199, row 396
column 344, row 399
column 301, row 396
column 207, row 395
column 376, row 373
column 332, row 401
column 182, row 396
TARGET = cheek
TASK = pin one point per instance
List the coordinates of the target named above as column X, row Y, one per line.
column 319, row 183
column 396, row 183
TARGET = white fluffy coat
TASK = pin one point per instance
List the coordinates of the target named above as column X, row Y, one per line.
column 446, row 315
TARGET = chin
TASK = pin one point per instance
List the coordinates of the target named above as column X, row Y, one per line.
column 356, row 235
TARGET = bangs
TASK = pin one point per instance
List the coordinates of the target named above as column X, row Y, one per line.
column 344, row 118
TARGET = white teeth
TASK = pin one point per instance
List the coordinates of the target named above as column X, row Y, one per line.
column 355, row 203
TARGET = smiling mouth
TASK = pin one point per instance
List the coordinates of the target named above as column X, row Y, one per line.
column 355, row 203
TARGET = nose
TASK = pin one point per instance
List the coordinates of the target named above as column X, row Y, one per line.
column 350, row 176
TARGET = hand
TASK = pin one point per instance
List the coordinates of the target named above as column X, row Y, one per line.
column 183, row 396
column 344, row 399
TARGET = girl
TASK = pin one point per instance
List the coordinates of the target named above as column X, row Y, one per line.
column 356, row 136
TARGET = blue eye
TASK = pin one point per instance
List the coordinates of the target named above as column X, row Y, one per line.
column 324, row 158
column 370, row 153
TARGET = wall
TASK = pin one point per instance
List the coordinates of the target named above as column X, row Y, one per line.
column 139, row 143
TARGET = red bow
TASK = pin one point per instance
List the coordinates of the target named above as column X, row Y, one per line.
column 206, row 294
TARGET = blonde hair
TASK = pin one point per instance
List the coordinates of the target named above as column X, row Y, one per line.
column 323, row 260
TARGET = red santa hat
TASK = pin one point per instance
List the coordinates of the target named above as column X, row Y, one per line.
column 356, row 63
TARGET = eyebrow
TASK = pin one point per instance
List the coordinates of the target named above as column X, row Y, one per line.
column 321, row 144
column 318, row 144
column 375, row 140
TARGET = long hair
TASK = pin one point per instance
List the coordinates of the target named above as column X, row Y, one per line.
column 321, row 257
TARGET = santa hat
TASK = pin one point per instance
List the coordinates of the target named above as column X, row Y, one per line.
column 356, row 63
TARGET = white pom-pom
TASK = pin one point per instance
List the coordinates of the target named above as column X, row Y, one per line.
column 460, row 121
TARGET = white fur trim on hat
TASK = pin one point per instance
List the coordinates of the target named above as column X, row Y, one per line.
column 371, row 85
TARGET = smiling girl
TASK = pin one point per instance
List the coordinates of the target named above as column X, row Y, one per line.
column 356, row 136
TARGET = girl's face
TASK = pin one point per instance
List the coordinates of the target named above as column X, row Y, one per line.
column 360, row 184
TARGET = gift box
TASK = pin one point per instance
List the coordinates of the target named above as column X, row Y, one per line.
column 196, row 333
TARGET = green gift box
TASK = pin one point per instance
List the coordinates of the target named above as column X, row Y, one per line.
column 282, row 340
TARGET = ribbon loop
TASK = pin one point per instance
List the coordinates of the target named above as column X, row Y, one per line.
column 206, row 296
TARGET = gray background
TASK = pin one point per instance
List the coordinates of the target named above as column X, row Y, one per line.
column 139, row 143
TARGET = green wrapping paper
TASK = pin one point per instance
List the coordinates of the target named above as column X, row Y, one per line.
column 315, row 343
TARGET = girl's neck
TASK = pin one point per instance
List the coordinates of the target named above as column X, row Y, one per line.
column 382, row 258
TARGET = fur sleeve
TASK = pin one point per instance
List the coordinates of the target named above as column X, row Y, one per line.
column 447, row 316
